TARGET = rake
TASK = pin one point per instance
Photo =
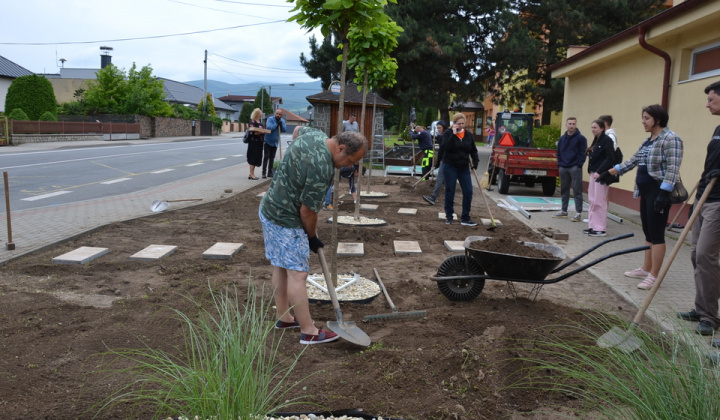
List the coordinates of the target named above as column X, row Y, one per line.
column 395, row 315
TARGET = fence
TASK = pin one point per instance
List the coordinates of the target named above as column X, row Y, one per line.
column 71, row 127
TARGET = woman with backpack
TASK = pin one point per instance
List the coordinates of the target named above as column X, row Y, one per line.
column 601, row 157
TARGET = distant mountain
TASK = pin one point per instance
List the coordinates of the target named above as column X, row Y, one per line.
column 293, row 96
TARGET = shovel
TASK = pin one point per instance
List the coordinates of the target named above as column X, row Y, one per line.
column 346, row 330
column 160, row 205
column 493, row 225
column 627, row 341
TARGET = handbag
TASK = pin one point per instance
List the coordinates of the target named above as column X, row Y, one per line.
column 678, row 194
column 246, row 137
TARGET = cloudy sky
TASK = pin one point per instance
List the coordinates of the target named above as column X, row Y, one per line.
column 260, row 46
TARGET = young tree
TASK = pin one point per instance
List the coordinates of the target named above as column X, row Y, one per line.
column 33, row 94
column 538, row 35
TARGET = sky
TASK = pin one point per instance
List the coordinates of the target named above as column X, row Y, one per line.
column 261, row 46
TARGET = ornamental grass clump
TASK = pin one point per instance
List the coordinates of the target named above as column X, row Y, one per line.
column 668, row 377
column 230, row 366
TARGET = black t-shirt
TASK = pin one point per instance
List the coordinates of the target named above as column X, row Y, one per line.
column 712, row 161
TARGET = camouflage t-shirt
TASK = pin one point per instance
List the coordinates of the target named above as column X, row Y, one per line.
column 303, row 177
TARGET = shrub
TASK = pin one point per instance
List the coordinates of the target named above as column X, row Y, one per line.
column 47, row 116
column 72, row 108
column 33, row 94
column 18, row 114
column 546, row 136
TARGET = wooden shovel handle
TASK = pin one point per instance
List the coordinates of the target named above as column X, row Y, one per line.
column 676, row 249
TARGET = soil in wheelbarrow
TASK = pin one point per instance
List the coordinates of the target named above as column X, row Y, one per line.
column 456, row 363
column 511, row 246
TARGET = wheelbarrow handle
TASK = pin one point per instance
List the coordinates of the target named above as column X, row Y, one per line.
column 598, row 245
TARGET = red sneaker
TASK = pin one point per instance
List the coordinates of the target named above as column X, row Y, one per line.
column 282, row 325
column 321, row 337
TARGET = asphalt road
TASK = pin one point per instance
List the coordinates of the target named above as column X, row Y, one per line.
column 61, row 176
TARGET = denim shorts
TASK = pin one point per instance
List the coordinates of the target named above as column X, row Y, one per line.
column 285, row 247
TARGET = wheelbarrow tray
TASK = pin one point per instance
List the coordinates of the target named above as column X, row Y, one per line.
column 511, row 266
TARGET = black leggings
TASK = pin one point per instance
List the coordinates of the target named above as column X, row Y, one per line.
column 653, row 223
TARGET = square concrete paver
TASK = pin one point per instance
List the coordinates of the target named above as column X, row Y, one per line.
column 488, row 222
column 222, row 251
column 455, row 246
column 350, row 249
column 441, row 216
column 369, row 207
column 407, row 211
column 154, row 252
column 262, row 194
column 82, row 255
column 406, row 247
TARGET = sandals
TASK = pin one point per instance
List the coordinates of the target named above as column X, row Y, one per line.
column 254, row 178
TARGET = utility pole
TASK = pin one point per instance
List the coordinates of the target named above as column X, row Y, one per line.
column 205, row 105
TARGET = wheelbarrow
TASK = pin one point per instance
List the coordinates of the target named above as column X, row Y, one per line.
column 462, row 277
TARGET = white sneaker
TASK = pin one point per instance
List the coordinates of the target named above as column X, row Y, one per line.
column 577, row 217
column 560, row 215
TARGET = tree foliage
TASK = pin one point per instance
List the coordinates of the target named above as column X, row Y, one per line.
column 33, row 94
column 245, row 112
column 207, row 111
column 540, row 33
column 263, row 101
column 323, row 63
column 114, row 93
column 443, row 50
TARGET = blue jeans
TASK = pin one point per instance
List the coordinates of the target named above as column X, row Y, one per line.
column 571, row 177
column 453, row 175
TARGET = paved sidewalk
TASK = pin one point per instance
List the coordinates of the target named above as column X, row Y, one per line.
column 38, row 228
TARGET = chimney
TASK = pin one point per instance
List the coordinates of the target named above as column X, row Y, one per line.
column 105, row 57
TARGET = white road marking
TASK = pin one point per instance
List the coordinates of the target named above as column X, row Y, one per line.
column 162, row 171
column 116, row 181
column 194, row 164
column 237, row 155
column 215, row 160
column 40, row 197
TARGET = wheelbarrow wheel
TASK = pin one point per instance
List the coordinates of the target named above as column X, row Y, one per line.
column 460, row 290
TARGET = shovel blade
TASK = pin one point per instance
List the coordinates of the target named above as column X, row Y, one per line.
column 349, row 331
column 158, row 206
column 624, row 340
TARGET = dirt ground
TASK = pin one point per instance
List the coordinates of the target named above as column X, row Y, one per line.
column 453, row 364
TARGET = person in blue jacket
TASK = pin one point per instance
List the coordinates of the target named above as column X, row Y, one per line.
column 275, row 124
column 571, row 158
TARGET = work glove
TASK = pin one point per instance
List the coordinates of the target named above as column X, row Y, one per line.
column 714, row 173
column 475, row 165
column 661, row 201
column 279, row 121
column 315, row 244
column 606, row 178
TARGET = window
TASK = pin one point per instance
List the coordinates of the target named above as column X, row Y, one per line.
column 705, row 61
